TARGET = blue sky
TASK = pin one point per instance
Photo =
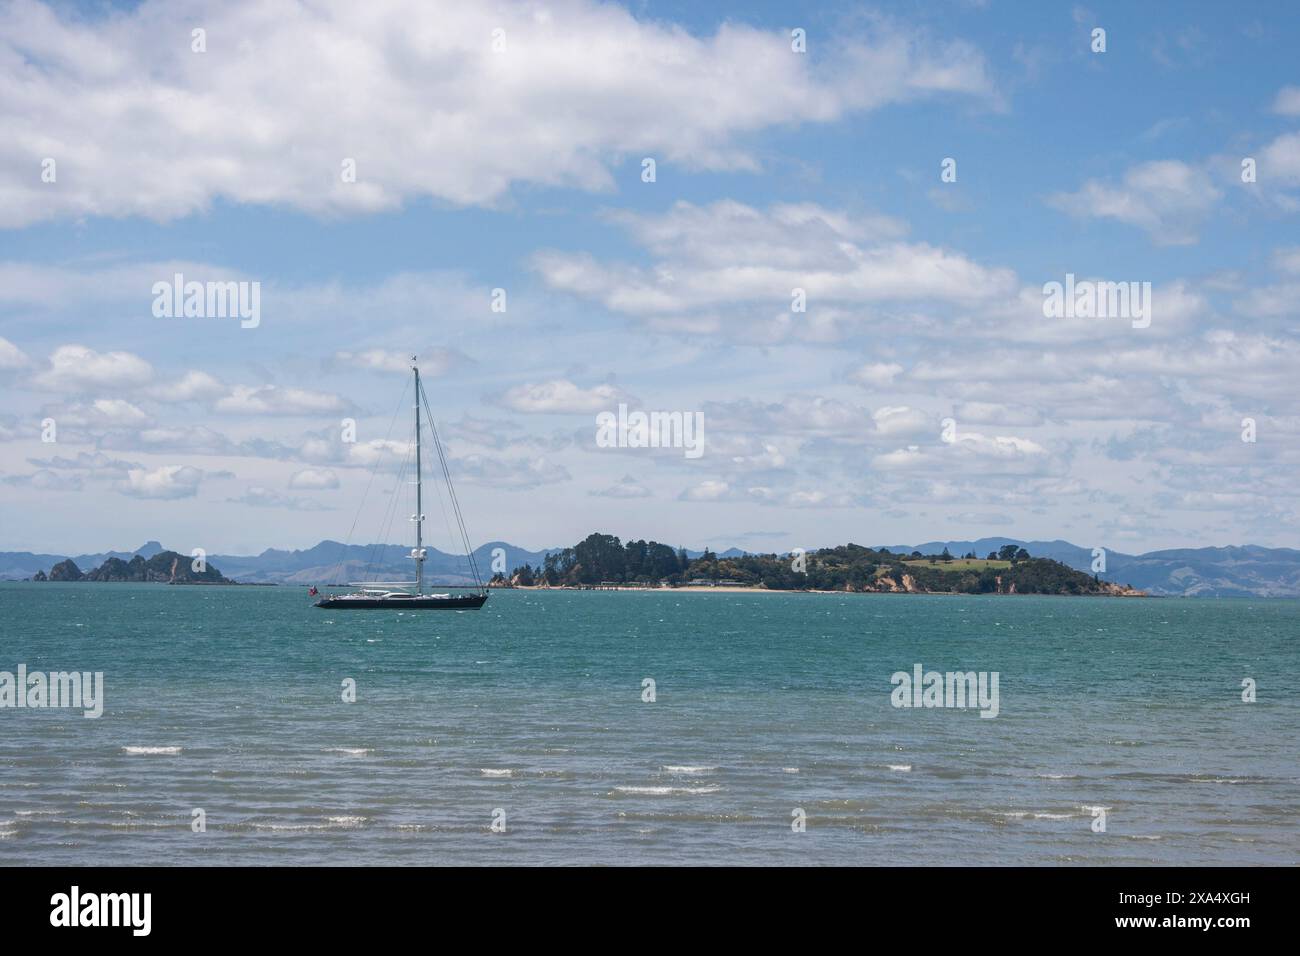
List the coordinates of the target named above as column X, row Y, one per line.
column 520, row 168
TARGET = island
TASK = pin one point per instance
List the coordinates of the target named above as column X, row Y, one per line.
column 601, row 561
column 165, row 567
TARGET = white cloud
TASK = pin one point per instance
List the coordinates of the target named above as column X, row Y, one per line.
column 98, row 464
column 76, row 368
column 1280, row 160
column 727, row 231
column 1288, row 101
column 578, row 87
column 1166, row 198
column 764, row 458
column 167, row 482
column 11, row 356
column 995, row 413
column 366, row 454
column 876, row 374
column 794, row 496
column 45, row 480
column 562, row 396
column 1287, row 259
column 313, row 479
column 515, row 474
column 710, row 490
column 626, row 487
column 716, row 263
column 278, row 400
column 191, row 387
column 971, row 453
column 432, row 362
column 168, row 439
column 816, row 498
column 797, row 414
column 900, row 458
column 102, row 413
column 901, row 420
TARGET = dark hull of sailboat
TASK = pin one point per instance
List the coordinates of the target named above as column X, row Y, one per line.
column 427, row 602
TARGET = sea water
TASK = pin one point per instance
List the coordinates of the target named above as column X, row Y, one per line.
column 626, row 727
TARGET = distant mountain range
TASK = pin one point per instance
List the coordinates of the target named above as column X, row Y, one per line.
column 1245, row 571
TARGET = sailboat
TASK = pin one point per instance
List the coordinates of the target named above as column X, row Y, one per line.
column 409, row 595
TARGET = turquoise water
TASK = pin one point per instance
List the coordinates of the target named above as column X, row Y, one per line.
column 229, row 700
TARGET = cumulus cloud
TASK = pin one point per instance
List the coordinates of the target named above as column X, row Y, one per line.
column 190, row 440
column 1280, row 159
column 97, row 463
column 165, row 483
column 565, row 92
column 101, row 413
column 710, row 490
column 76, row 368
column 719, row 263
column 193, row 386
column 1276, row 299
column 561, row 396
column 365, row 454
column 793, row 496
column 626, row 487
column 901, row 420
column 278, row 400
column 433, row 362
column 1287, row 101
column 1168, row 199
column 970, row 453
column 996, row 413
column 514, row 474
column 11, row 356
column 876, row 374
column 796, row 414
column 747, row 453
column 45, row 480
column 313, row 479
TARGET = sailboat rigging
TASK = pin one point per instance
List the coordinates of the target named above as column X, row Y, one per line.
column 409, row 595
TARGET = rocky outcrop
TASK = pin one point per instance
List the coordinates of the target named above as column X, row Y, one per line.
column 1122, row 590
column 66, row 571
column 165, row 567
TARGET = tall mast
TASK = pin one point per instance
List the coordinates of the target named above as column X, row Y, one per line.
column 418, row 517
